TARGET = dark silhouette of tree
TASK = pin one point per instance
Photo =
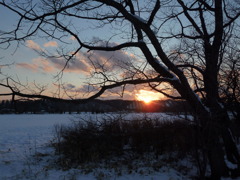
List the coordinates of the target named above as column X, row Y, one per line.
column 229, row 78
column 181, row 45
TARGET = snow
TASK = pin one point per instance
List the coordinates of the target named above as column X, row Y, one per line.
column 25, row 154
column 229, row 164
column 139, row 18
column 160, row 64
column 174, row 78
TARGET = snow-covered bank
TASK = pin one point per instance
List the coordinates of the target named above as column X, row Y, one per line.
column 24, row 153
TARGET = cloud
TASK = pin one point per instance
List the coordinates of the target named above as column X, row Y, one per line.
column 33, row 45
column 72, row 38
column 37, row 65
column 83, row 62
column 77, row 65
column 115, row 56
column 31, row 67
column 51, row 44
column 111, row 60
column 69, row 86
column 82, row 91
column 85, row 91
column 87, row 88
column 44, row 65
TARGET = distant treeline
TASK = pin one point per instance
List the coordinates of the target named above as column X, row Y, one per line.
column 94, row 106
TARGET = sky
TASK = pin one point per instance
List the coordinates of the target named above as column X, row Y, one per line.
column 34, row 71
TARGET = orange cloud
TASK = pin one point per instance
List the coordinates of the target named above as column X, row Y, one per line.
column 82, row 62
column 37, row 65
column 72, row 38
column 44, row 65
column 31, row 67
column 51, row 44
column 31, row 44
column 77, row 65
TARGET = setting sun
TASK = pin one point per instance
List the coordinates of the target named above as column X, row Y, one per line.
column 147, row 96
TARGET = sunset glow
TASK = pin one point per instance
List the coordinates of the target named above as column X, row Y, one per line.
column 147, row 96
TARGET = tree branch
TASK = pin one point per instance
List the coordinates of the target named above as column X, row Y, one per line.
column 154, row 12
column 96, row 95
column 191, row 66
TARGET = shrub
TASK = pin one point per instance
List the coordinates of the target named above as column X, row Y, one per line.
column 91, row 141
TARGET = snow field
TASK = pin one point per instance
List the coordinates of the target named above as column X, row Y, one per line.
column 25, row 154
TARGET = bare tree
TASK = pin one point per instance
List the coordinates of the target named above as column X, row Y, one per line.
column 229, row 78
column 181, row 45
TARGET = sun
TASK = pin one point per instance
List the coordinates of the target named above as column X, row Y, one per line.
column 147, row 96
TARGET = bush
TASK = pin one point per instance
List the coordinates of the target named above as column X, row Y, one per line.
column 91, row 141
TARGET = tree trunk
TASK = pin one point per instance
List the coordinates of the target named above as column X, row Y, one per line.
column 216, row 160
column 220, row 145
column 230, row 146
column 215, row 152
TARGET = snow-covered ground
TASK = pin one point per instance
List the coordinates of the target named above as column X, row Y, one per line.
column 25, row 154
